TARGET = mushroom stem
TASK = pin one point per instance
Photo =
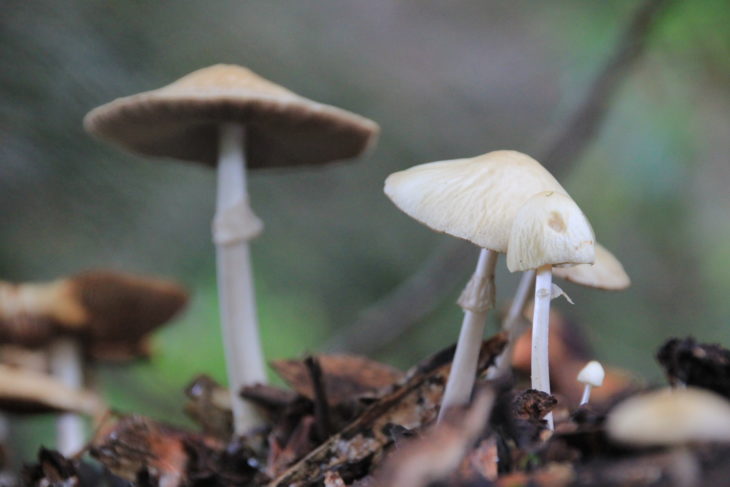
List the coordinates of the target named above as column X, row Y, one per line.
column 234, row 225
column 513, row 324
column 476, row 300
column 540, row 331
column 586, row 395
column 65, row 362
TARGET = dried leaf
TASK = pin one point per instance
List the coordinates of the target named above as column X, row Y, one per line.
column 209, row 405
column 137, row 447
column 346, row 377
column 411, row 404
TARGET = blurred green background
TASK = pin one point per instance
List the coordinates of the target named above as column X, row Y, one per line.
column 444, row 80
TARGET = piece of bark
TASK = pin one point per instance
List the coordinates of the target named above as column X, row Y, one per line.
column 345, row 377
column 412, row 403
column 209, row 405
column 297, row 444
column 695, row 364
column 533, row 405
column 52, row 469
column 138, row 449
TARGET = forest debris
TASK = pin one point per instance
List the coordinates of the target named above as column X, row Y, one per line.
column 345, row 376
column 440, row 450
column 333, row 479
column 702, row 365
column 52, row 469
column 533, row 405
column 270, row 400
column 411, row 404
column 296, row 446
column 554, row 475
column 138, row 449
column 209, row 405
column 323, row 422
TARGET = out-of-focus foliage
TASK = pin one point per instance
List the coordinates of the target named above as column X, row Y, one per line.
column 444, row 80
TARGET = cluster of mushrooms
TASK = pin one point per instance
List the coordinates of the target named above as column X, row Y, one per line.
column 230, row 119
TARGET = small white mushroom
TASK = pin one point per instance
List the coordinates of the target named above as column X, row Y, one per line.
column 591, row 375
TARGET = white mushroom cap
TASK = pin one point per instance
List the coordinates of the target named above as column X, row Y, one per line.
column 605, row 273
column 671, row 417
column 550, row 229
column 592, row 374
column 475, row 199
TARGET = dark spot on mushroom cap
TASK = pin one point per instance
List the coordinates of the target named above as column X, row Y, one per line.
column 556, row 222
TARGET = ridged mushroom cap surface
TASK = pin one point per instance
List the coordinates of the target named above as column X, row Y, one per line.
column 182, row 119
column 670, row 417
column 475, row 199
column 605, row 273
column 549, row 229
column 29, row 392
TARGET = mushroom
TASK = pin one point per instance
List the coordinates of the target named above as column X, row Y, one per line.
column 591, row 375
column 102, row 314
column 549, row 229
column 670, row 417
column 475, row 199
column 673, row 418
column 606, row 273
column 229, row 117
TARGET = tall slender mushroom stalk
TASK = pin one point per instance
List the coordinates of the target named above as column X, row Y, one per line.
column 234, row 225
column 540, row 369
column 201, row 117
column 548, row 230
column 476, row 300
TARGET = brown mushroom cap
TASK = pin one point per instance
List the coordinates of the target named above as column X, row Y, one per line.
column 28, row 392
column 181, row 121
column 112, row 313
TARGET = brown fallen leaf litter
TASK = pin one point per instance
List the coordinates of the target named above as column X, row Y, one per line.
column 349, row 421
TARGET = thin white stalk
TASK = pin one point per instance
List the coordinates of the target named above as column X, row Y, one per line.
column 512, row 324
column 586, row 395
column 540, row 332
column 66, row 365
column 244, row 357
column 477, row 299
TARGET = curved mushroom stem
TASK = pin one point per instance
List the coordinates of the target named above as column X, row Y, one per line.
column 233, row 227
column 476, row 300
column 66, row 364
column 513, row 324
column 586, row 395
column 540, row 368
